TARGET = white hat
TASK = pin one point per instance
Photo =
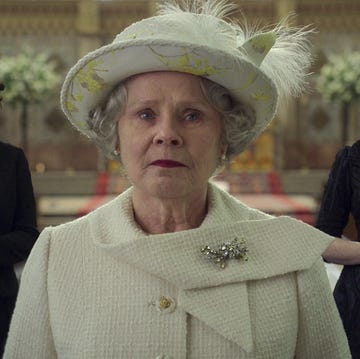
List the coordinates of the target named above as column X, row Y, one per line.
column 255, row 66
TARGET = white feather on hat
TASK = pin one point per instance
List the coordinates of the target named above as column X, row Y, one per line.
column 288, row 59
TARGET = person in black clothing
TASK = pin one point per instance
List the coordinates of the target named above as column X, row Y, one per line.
column 340, row 199
column 18, row 228
column 2, row 87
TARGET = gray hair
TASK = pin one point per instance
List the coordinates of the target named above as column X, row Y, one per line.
column 238, row 119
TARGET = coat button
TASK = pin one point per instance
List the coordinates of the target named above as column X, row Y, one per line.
column 165, row 305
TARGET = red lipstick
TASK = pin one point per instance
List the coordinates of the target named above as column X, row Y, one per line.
column 167, row 163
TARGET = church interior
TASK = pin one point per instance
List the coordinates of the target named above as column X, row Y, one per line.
column 283, row 172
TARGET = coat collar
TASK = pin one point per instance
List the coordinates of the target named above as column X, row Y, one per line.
column 177, row 256
column 276, row 246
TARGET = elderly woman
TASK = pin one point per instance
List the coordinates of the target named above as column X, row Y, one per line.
column 175, row 267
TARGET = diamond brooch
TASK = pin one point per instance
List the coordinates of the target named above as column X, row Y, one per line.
column 237, row 249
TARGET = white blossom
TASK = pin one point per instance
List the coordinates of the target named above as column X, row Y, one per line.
column 339, row 79
column 28, row 77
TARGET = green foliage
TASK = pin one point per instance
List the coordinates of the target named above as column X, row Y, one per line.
column 29, row 78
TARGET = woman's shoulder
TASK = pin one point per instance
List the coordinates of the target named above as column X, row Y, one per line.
column 354, row 152
column 71, row 231
column 346, row 158
column 9, row 150
column 349, row 152
column 82, row 227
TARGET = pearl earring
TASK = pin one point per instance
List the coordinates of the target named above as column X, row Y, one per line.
column 116, row 153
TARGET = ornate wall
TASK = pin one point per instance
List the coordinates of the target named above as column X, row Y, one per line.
column 304, row 134
column 314, row 132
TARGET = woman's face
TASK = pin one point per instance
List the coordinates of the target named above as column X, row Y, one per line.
column 169, row 135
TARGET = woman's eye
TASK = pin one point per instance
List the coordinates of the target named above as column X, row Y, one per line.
column 146, row 115
column 192, row 116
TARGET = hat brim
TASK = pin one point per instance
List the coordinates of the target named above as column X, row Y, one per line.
column 94, row 76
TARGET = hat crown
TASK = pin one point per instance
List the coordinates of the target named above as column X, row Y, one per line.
column 189, row 28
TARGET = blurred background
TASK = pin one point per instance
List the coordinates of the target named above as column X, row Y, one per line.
column 282, row 173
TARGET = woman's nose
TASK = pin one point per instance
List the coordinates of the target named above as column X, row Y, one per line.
column 167, row 134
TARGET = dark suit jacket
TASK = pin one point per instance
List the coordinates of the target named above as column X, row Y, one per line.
column 18, row 229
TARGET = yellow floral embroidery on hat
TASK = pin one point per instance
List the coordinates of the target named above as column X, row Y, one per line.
column 193, row 65
column 187, row 62
column 250, row 80
column 261, row 96
column 73, row 98
column 70, row 105
column 82, row 125
column 88, row 77
column 262, row 44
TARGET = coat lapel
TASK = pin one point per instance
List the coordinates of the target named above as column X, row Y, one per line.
column 224, row 309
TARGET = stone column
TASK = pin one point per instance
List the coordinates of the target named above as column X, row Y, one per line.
column 284, row 7
column 88, row 25
column 152, row 7
column 288, row 129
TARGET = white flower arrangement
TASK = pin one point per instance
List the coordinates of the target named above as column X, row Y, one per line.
column 28, row 77
column 339, row 79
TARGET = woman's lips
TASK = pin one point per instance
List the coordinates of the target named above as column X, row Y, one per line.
column 167, row 163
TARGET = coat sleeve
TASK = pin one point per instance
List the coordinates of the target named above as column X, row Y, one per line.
column 336, row 200
column 321, row 334
column 30, row 334
column 17, row 242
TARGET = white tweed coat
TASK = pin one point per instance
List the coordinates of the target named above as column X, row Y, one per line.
column 100, row 288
